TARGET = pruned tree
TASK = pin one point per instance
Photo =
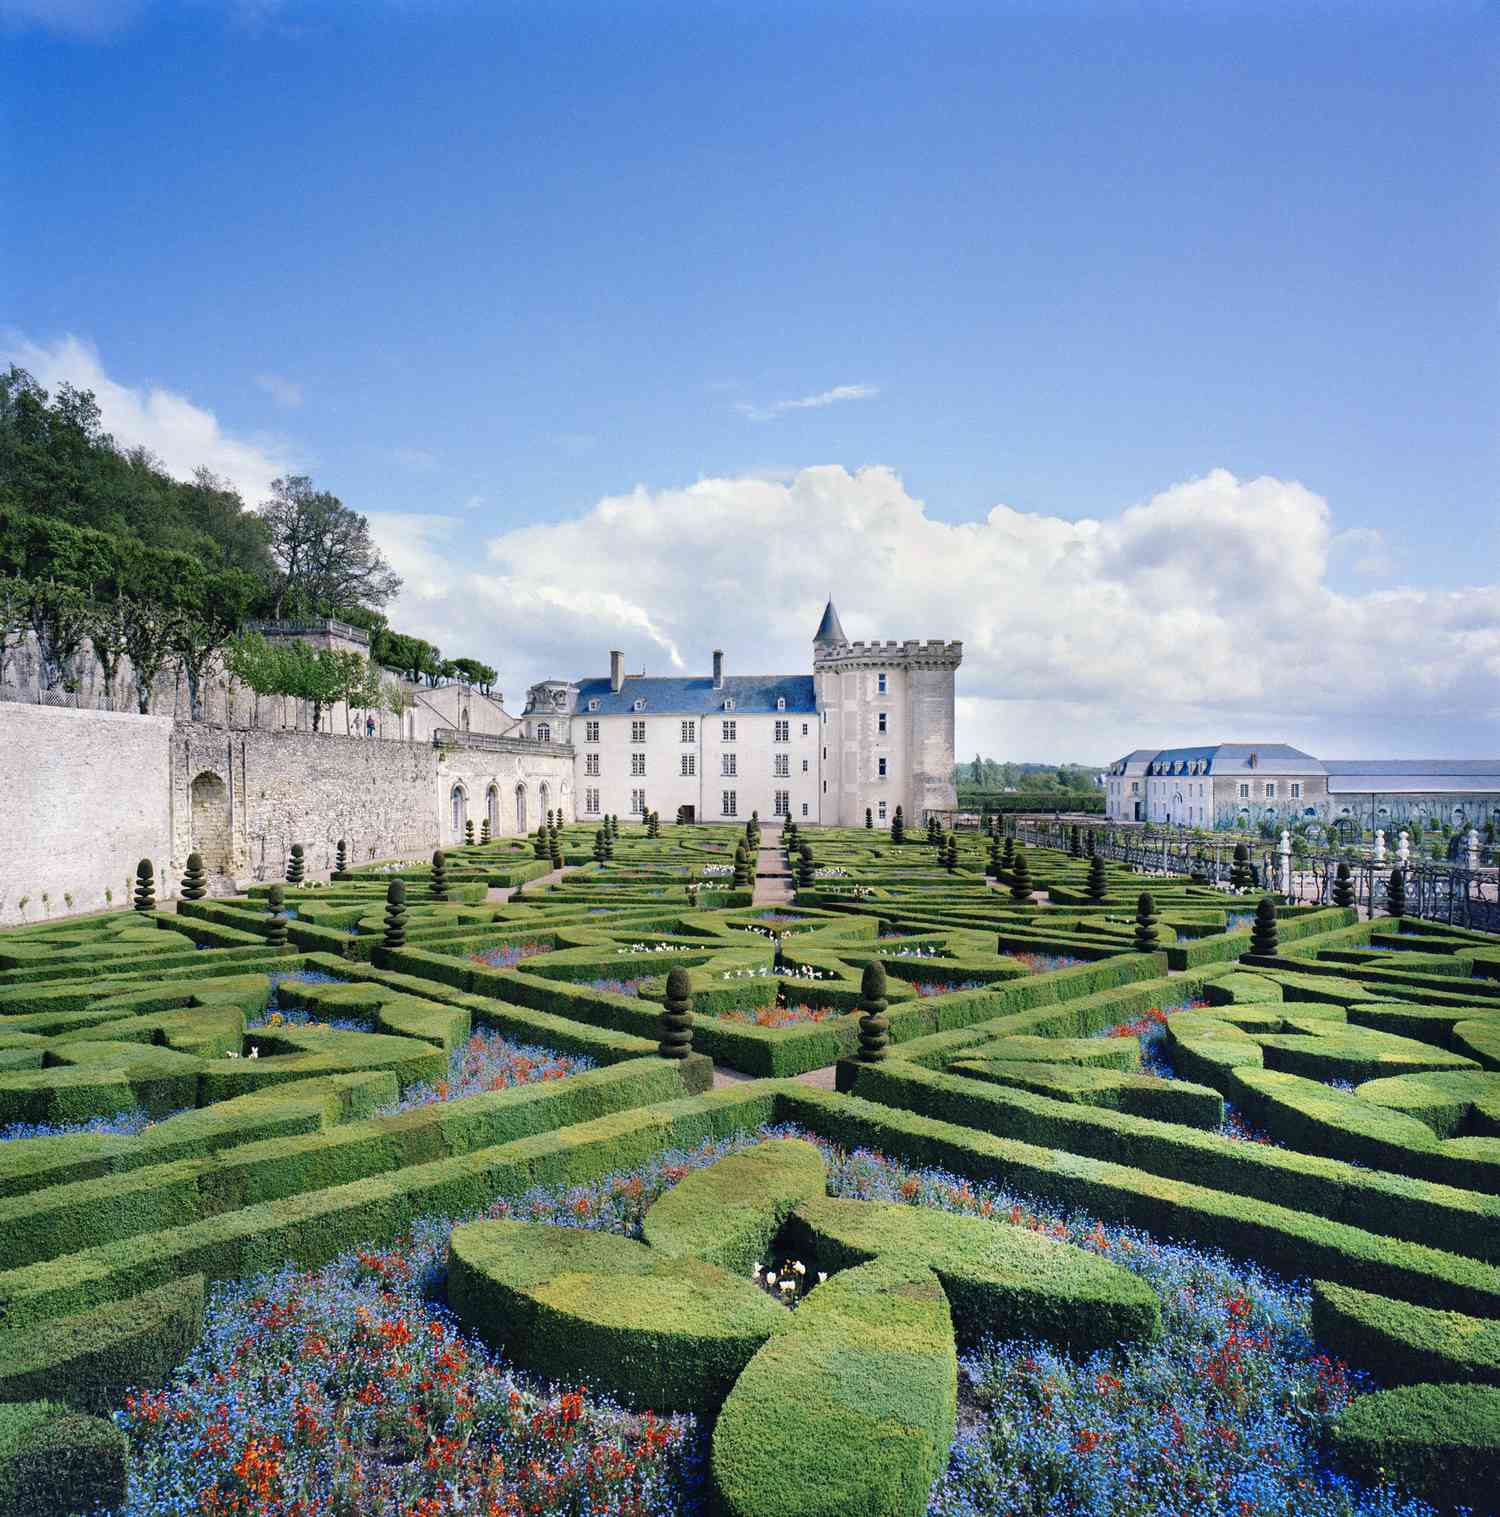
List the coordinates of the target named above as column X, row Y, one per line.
column 1145, row 923
column 323, row 550
column 1264, row 937
column 1098, row 887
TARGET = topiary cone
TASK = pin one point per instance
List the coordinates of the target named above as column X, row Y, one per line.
column 676, row 1018
column 341, row 860
column 395, row 915
column 194, row 881
column 1263, row 935
column 484, row 830
column 1145, row 923
column 295, row 867
column 468, row 834
column 1395, row 894
column 145, row 886
column 440, row 876
column 1098, row 885
column 1020, row 878
column 805, row 866
column 873, row 1022
column 276, row 926
column 1343, row 886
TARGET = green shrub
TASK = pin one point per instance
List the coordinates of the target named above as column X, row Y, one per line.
column 296, row 866
column 194, row 881
column 837, row 1415
column 1403, row 1342
column 145, row 886
column 1263, row 936
column 55, row 1462
column 1441, row 1442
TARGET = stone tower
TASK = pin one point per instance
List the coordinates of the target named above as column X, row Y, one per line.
column 886, row 714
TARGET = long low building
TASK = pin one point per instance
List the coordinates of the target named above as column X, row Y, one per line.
column 1228, row 785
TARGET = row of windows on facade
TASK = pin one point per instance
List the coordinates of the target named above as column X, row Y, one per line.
column 1270, row 790
column 728, row 733
column 729, row 803
column 781, row 765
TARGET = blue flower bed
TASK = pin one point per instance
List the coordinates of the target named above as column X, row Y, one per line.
column 305, row 1377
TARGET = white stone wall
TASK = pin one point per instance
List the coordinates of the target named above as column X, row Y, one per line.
column 84, row 795
column 754, row 749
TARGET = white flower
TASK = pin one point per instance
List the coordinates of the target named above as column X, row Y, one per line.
column 799, row 1267
column 255, row 1053
column 822, row 1276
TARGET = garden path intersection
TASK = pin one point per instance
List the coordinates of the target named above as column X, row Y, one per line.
column 986, row 1184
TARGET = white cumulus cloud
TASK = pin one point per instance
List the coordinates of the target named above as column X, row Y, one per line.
column 1202, row 614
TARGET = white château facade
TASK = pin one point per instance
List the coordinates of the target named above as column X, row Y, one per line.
column 871, row 726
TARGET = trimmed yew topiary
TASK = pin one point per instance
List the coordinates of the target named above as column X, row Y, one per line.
column 539, row 842
column 554, row 849
column 440, row 876
column 395, row 915
column 950, row 852
column 1008, row 853
column 869, row 820
column 599, row 854
column 1098, row 885
column 341, row 861
column 874, row 1025
column 469, row 833
column 1343, row 886
column 1145, row 923
column 805, row 867
column 1241, row 876
column 296, row 866
column 1075, row 842
column 1264, row 937
column 676, row 1018
column 1395, row 894
column 1088, row 843
column 898, row 827
column 276, row 926
column 145, row 886
column 194, row 881
column 1020, row 878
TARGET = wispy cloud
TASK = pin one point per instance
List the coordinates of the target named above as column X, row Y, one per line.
column 285, row 392
column 807, row 402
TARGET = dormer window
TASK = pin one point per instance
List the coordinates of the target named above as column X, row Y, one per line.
column 543, row 732
column 729, row 704
column 1253, row 760
column 781, row 703
column 594, row 704
column 638, row 706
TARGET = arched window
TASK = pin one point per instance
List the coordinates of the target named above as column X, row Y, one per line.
column 543, row 799
column 492, row 808
column 460, row 809
column 521, row 809
column 544, row 733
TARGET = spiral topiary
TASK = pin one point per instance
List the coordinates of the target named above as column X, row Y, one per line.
column 341, row 861
column 1240, row 874
column 675, row 1020
column 395, row 915
column 869, row 820
column 276, row 925
column 145, row 887
column 539, row 842
column 1395, row 894
column 1145, row 923
column 599, row 854
column 1343, row 886
column 1088, row 843
column 1020, row 878
column 469, row 833
column 440, row 876
column 1263, row 935
column 1075, row 842
column 898, row 827
column 1008, row 853
column 296, row 866
column 992, row 868
column 874, row 1025
column 194, row 881
column 1098, row 885
column 950, row 853
column 554, row 849
column 804, row 866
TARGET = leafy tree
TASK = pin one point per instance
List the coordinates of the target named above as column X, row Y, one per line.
column 209, row 606
column 324, row 551
column 1145, row 923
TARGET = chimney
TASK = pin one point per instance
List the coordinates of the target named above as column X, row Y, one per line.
column 718, row 668
column 616, row 670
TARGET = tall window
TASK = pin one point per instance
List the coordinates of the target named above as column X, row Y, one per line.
column 1244, row 792
column 729, row 764
column 591, row 732
column 731, row 803
column 880, row 684
column 591, row 802
column 459, row 808
column 880, row 811
column 637, row 763
column 881, row 769
column 804, row 808
column 783, row 732
column 689, row 764
column 880, row 724
column 591, row 764
column 638, row 732
column 782, row 765
column 637, row 803
column 729, row 736
column 783, row 806
column 804, row 766
column 543, row 732
column 1270, row 790
column 690, row 732
column 804, row 729
column 1296, row 790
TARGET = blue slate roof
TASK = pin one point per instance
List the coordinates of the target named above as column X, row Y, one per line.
column 1234, row 758
column 1407, row 776
column 696, row 696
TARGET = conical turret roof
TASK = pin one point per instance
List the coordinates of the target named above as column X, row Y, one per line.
column 829, row 630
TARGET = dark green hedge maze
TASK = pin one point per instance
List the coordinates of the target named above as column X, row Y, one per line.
column 269, row 1078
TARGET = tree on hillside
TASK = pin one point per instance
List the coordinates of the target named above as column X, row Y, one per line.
column 323, row 550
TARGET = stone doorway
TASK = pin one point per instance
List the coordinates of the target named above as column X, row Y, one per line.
column 211, row 838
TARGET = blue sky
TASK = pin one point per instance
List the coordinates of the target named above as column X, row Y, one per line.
column 481, row 268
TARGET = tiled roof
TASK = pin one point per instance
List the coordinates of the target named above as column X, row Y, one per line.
column 696, row 696
column 1409, row 776
column 830, row 629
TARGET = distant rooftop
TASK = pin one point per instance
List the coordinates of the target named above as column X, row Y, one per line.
column 695, row 695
